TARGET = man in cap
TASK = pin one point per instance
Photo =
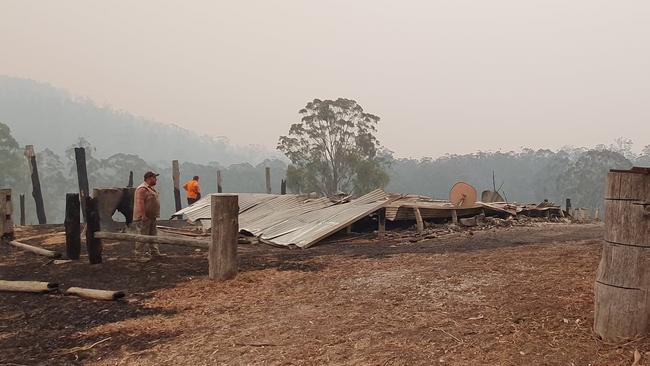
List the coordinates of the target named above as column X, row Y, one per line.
column 146, row 210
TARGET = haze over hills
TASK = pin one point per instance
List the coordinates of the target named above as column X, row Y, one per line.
column 45, row 116
column 52, row 120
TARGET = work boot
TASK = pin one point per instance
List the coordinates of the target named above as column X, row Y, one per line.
column 155, row 251
column 158, row 254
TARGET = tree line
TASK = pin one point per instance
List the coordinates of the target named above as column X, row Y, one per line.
column 333, row 149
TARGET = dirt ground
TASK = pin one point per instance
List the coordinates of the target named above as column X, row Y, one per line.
column 506, row 296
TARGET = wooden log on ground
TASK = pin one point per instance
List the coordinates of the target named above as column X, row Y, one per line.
column 35, row 250
column 82, row 178
column 36, row 192
column 94, row 294
column 176, row 177
column 268, row 180
column 219, row 188
column 72, row 226
column 46, row 227
column 222, row 254
column 622, row 288
column 169, row 240
column 28, row 286
column 41, row 236
column 93, row 244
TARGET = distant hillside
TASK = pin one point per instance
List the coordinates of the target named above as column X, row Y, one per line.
column 45, row 116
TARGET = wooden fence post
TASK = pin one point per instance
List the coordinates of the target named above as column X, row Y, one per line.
column 622, row 309
column 268, row 180
column 283, row 187
column 222, row 255
column 72, row 226
column 568, row 206
column 22, row 210
column 6, row 212
column 176, row 177
column 382, row 223
column 130, row 184
column 36, row 192
column 418, row 220
column 82, row 178
column 219, row 188
column 93, row 245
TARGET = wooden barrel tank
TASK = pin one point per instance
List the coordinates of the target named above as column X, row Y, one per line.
column 622, row 288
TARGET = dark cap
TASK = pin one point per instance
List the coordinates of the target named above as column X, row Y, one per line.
column 150, row 174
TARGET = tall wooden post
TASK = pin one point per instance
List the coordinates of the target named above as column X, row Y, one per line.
column 72, row 226
column 268, row 180
column 36, row 185
column 6, row 215
column 82, row 178
column 418, row 220
column 568, row 206
column 222, row 255
column 176, row 177
column 22, row 210
column 130, row 184
column 622, row 289
column 93, row 245
column 382, row 223
column 283, row 187
column 219, row 188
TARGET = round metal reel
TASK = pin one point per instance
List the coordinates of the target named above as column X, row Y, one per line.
column 462, row 195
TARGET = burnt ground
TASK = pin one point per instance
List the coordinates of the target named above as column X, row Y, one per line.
column 504, row 296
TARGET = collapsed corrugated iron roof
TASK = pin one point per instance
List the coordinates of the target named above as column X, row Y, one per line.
column 292, row 220
column 302, row 221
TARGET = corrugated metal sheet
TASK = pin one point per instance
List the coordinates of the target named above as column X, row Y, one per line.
column 293, row 220
column 277, row 211
column 309, row 228
column 201, row 209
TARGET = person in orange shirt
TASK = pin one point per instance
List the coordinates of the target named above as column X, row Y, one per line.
column 193, row 190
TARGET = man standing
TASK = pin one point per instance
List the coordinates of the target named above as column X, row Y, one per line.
column 193, row 190
column 146, row 210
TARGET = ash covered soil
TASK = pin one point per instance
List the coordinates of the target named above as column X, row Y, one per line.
column 503, row 296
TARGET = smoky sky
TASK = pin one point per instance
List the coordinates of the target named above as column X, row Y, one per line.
column 444, row 76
